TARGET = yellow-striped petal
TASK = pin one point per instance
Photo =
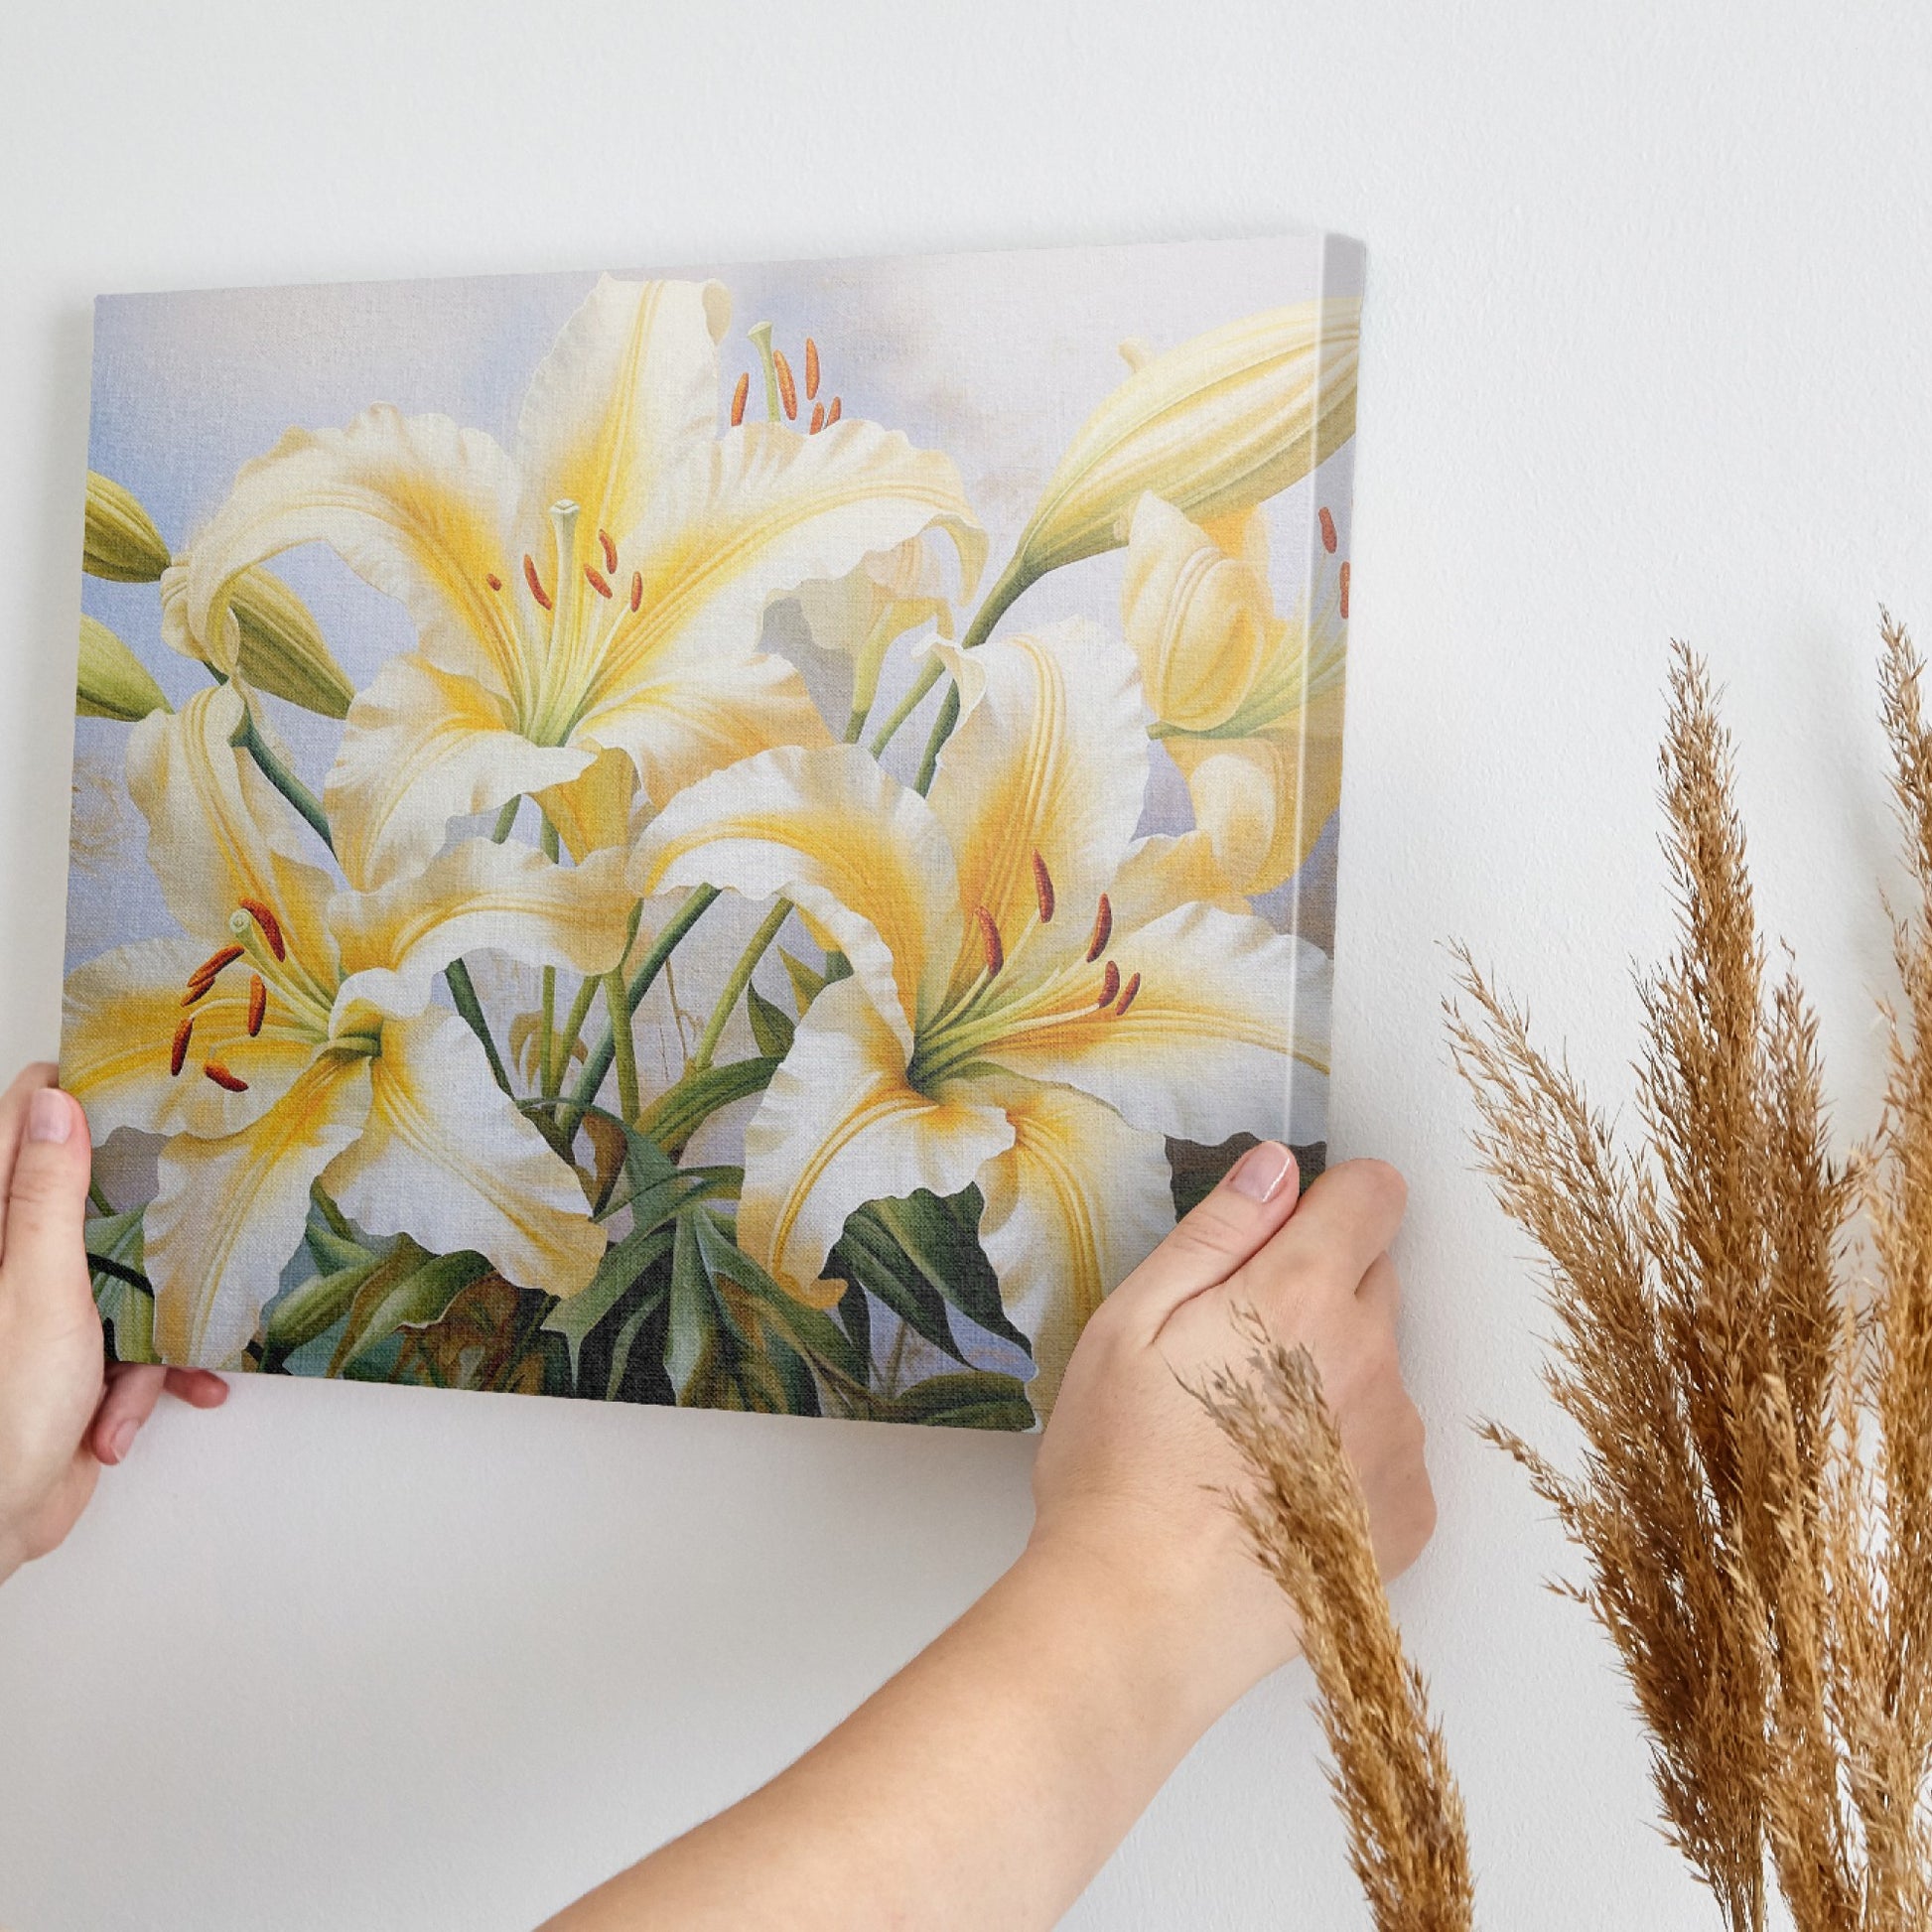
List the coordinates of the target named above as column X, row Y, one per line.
column 628, row 389
column 1048, row 759
column 219, row 833
column 1225, row 1030
column 1199, row 620
column 1078, row 1203
column 122, row 1014
column 861, row 854
column 228, row 1212
column 448, row 1159
column 838, row 1127
column 421, row 509
column 746, row 520
column 425, row 745
column 479, row 896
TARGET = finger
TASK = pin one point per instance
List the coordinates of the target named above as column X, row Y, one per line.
column 13, row 1125
column 1380, row 1293
column 1347, row 1217
column 132, row 1391
column 45, row 1253
column 200, row 1388
column 1239, row 1215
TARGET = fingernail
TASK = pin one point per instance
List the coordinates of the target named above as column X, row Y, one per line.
column 122, row 1439
column 1261, row 1171
column 49, row 1116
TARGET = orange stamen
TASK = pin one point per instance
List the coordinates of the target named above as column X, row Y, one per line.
column 177, row 1058
column 535, row 583
column 1327, row 531
column 787, row 389
column 637, row 589
column 597, row 580
column 996, row 953
column 819, row 418
column 494, row 582
column 222, row 1078
column 1344, row 592
column 257, row 1004
column 210, row 970
column 811, row 368
column 1043, row 888
column 1103, row 926
column 739, row 398
column 832, row 414
column 1109, row 986
column 271, row 926
column 609, row 550
column 1126, row 998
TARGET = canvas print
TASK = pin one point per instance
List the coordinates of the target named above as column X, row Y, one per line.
column 739, row 837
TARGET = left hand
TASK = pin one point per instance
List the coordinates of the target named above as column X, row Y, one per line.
column 63, row 1409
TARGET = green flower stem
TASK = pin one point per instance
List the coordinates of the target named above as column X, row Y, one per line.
column 282, row 778
column 547, row 1052
column 505, row 819
column 941, row 731
column 1000, row 599
column 102, row 1204
column 741, row 977
column 580, row 1010
column 906, row 707
column 689, row 913
column 624, row 1047
column 464, row 992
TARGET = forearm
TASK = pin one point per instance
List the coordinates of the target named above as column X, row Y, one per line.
column 984, row 1785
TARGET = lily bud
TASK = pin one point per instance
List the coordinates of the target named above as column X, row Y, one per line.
column 121, row 543
column 112, row 681
column 1214, row 426
column 275, row 644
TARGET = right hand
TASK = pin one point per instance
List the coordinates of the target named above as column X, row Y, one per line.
column 1131, row 1472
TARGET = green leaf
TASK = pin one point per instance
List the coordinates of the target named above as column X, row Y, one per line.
column 771, row 1026
column 692, row 1339
column 125, row 1305
column 978, row 1398
column 679, row 1112
column 625, row 1262
column 790, row 1318
column 411, row 1289
column 309, row 1311
column 867, row 1257
column 806, row 985
column 941, row 1238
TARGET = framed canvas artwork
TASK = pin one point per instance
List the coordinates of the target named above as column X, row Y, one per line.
column 742, row 837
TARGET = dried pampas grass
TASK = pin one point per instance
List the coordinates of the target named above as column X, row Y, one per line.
column 1308, row 1524
column 1754, row 1497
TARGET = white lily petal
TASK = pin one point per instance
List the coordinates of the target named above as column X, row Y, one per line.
column 1263, row 799
column 1076, row 1203
column 479, row 896
column 1048, row 759
column 423, row 745
column 838, row 1127
column 861, row 854
column 415, row 505
column 219, row 832
column 1226, row 1031
column 749, row 518
column 228, row 1213
column 448, row 1159
column 122, row 1013
column 629, row 384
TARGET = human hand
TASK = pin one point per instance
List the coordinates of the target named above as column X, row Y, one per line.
column 1131, row 1471
column 64, row 1411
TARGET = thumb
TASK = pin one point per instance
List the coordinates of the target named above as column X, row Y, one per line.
column 43, row 1262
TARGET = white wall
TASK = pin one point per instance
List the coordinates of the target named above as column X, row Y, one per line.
column 1646, row 353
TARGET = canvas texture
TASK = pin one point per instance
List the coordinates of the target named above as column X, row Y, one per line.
column 739, row 837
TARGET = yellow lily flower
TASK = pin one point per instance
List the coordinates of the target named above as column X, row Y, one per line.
column 1215, row 426
column 604, row 590
column 1249, row 704
column 1038, row 997
column 289, row 1035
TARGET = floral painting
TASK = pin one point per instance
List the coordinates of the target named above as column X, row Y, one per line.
column 743, row 838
